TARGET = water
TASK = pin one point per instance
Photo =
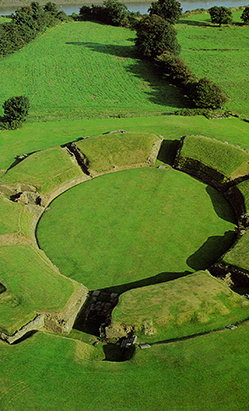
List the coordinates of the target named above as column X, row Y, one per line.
column 143, row 6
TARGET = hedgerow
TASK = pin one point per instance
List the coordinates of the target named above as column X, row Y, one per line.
column 26, row 24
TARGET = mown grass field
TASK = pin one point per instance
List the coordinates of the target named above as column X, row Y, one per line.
column 86, row 69
column 220, row 54
column 124, row 227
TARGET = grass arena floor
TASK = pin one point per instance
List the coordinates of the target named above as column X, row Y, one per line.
column 135, row 224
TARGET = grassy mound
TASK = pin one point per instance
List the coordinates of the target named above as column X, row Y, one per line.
column 218, row 160
column 32, row 285
column 117, row 149
column 244, row 189
column 125, row 227
column 46, row 170
column 239, row 254
column 12, row 217
column 196, row 303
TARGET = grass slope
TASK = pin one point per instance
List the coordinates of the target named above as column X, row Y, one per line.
column 188, row 305
column 203, row 374
column 32, row 285
column 239, row 254
column 10, row 216
column 220, row 54
column 46, row 170
column 86, row 69
column 228, row 160
column 117, row 149
column 118, row 225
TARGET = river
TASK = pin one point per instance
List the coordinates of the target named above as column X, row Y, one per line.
column 143, row 6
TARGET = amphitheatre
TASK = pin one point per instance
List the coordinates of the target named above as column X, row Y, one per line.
column 124, row 274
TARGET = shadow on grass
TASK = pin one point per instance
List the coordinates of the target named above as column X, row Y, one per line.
column 157, row 279
column 161, row 91
column 221, row 205
column 25, row 337
column 167, row 152
column 19, row 159
column 196, row 23
column 211, row 251
column 115, row 353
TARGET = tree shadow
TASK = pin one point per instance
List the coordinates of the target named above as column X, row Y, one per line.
column 161, row 92
column 213, row 248
column 167, row 151
column 195, row 23
column 221, row 206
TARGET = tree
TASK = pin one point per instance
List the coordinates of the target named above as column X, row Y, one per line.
column 116, row 12
column 206, row 94
column 169, row 10
column 155, row 36
column 51, row 8
column 111, row 12
column 15, row 111
column 245, row 15
column 220, row 15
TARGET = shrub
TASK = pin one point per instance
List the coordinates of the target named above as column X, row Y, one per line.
column 169, row 10
column 220, row 15
column 206, row 94
column 175, row 67
column 15, row 111
column 51, row 8
column 112, row 12
column 245, row 15
column 116, row 12
column 156, row 36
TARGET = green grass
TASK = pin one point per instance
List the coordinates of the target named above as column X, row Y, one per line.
column 244, row 189
column 239, row 254
column 40, row 136
column 10, row 214
column 46, row 170
column 203, row 374
column 127, row 226
column 117, row 149
column 32, row 285
column 189, row 305
column 232, row 162
column 220, row 54
column 83, row 69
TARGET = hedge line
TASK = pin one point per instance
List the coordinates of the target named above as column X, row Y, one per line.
column 26, row 24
